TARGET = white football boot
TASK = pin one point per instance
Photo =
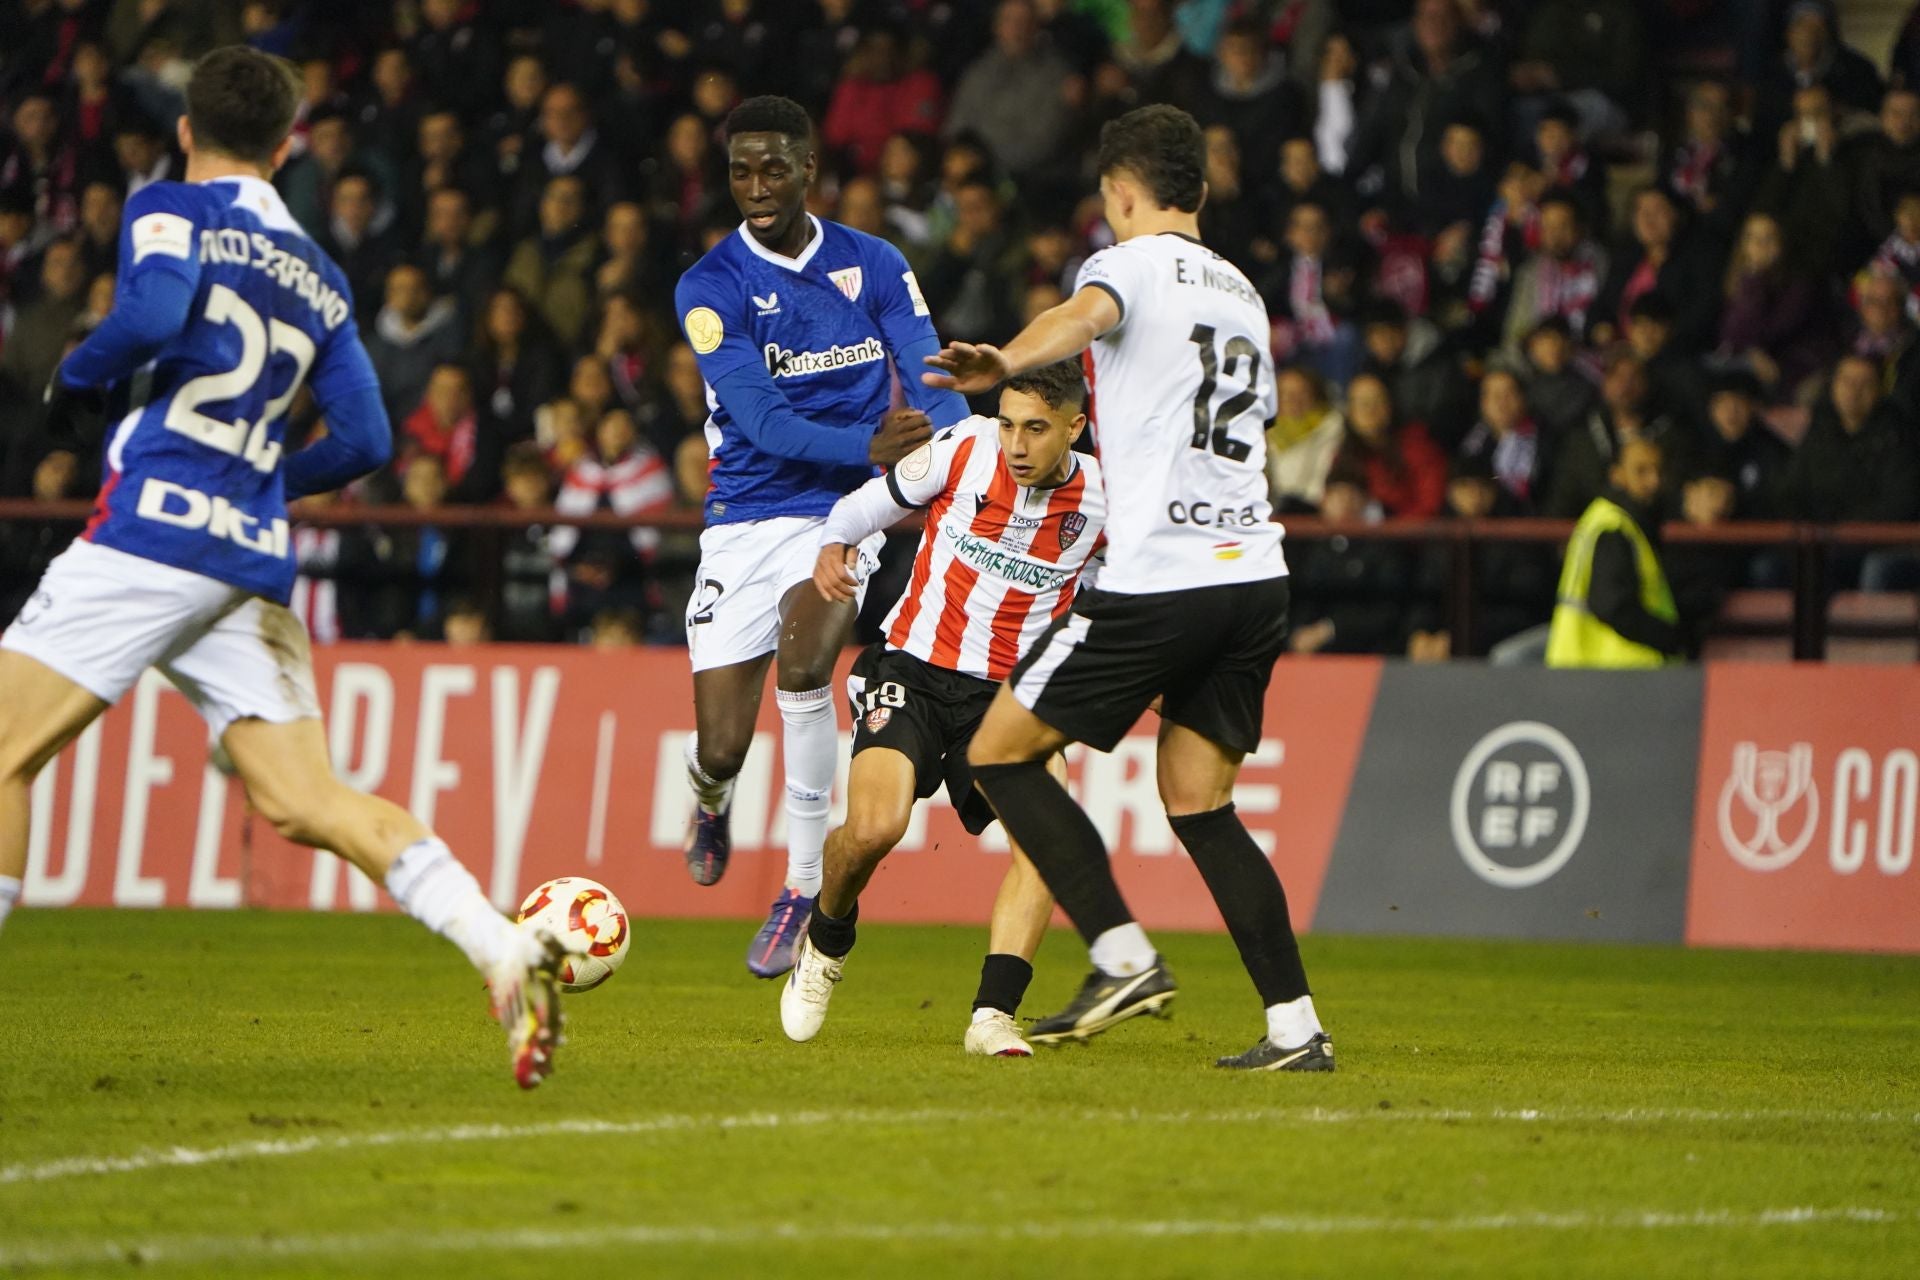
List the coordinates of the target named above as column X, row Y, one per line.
column 803, row 1000
column 525, row 989
column 997, row 1036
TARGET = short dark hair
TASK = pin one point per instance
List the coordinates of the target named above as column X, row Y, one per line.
column 1059, row 384
column 1163, row 147
column 241, row 103
column 770, row 113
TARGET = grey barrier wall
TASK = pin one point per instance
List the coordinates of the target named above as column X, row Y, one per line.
column 1520, row 804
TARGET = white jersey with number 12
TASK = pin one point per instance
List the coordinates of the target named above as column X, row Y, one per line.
column 1183, row 390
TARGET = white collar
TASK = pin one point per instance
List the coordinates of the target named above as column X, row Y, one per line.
column 258, row 197
column 795, row 265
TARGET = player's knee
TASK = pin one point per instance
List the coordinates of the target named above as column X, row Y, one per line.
column 804, row 675
column 874, row 832
column 721, row 758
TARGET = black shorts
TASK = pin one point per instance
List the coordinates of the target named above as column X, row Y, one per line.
column 927, row 714
column 1207, row 652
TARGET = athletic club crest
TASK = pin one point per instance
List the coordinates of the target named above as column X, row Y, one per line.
column 877, row 718
column 1072, row 525
column 847, row 281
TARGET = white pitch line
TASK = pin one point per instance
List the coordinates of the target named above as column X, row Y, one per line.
column 254, row 1248
column 275, row 1148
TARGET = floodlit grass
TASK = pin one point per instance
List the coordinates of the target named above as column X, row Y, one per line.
column 278, row 1095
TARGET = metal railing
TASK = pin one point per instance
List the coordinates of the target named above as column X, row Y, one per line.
column 1807, row 546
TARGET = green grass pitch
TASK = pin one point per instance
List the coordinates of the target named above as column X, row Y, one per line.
column 287, row 1095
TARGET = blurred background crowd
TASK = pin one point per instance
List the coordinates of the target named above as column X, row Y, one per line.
column 1498, row 240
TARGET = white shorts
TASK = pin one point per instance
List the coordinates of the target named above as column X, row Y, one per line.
column 745, row 569
column 100, row 617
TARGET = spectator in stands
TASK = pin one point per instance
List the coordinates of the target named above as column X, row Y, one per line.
column 27, row 547
column 99, row 228
column 406, row 575
column 1885, row 164
column 445, row 426
column 1661, row 255
column 1421, row 370
column 1677, row 383
column 414, row 334
column 878, row 96
column 1616, row 609
column 1311, row 293
column 1898, row 256
column 1858, row 460
column 1773, row 323
column 970, row 280
column 1464, row 185
column 676, row 409
column 1556, row 391
column 459, row 265
column 1250, row 94
column 1305, row 435
column 529, row 570
column 1592, row 53
column 1436, row 73
column 1349, row 594
column 515, row 367
column 456, row 54
column 1562, row 280
column 1016, row 96
column 1741, row 449
column 1506, row 441
column 1814, row 56
column 465, row 622
column 361, row 248
column 145, row 156
column 442, row 161
column 1405, row 472
column 565, row 145
column 1513, row 580
column 630, row 263
column 1157, row 64
column 1808, row 188
column 1711, row 166
column 44, row 326
column 606, row 568
column 688, row 189
column 1566, row 165
column 1583, row 459
column 553, row 269
column 1883, row 330
column 306, row 183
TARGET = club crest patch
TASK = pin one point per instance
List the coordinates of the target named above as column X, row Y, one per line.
column 847, row 281
column 1072, row 525
column 877, row 718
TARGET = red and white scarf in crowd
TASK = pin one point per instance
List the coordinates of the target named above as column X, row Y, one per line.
column 1306, row 301
column 1692, row 175
column 1567, row 289
column 635, row 481
column 1901, row 258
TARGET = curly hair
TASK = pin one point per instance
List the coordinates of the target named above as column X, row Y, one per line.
column 770, row 113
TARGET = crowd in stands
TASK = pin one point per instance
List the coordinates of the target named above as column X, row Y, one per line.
column 1498, row 239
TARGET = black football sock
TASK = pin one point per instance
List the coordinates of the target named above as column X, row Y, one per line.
column 1251, row 901
column 1003, row 982
column 1060, row 840
column 833, row 935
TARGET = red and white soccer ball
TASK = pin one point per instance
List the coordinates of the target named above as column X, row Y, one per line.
column 589, row 922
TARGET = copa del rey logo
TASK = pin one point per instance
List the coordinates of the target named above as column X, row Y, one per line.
column 847, row 280
column 1769, row 805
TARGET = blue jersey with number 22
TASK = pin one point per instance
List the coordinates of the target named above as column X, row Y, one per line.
column 193, row 465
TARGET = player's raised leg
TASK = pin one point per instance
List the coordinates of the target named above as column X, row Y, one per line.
column 41, row 711
column 1009, row 757
column 291, row 783
column 726, row 703
column 1196, row 776
column 813, row 631
column 880, row 794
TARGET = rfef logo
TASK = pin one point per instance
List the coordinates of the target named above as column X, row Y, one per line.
column 1520, row 804
column 1764, row 793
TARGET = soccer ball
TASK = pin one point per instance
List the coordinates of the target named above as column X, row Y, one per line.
column 589, row 922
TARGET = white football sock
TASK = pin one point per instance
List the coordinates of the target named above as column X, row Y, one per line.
column 1123, row 951
column 713, row 796
column 431, row 886
column 811, row 740
column 9, row 894
column 1292, row 1024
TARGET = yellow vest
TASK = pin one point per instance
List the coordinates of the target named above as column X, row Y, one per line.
column 1577, row 638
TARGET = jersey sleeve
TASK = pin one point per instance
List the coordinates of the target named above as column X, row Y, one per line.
column 1124, row 276
column 929, row 471
column 714, row 327
column 159, row 232
column 907, row 325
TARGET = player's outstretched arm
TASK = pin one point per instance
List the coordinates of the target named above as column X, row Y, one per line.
column 907, row 326
column 1055, row 334
column 159, row 274
column 881, row 503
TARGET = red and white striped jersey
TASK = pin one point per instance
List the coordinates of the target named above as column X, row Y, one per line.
column 997, row 562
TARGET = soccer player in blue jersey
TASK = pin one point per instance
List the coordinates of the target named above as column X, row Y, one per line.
column 798, row 325
column 222, row 310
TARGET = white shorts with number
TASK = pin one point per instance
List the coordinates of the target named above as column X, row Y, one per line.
column 100, row 617
column 745, row 569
